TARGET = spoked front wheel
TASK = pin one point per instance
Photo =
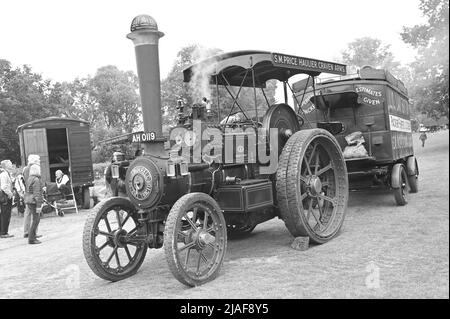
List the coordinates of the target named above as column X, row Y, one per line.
column 111, row 243
column 195, row 239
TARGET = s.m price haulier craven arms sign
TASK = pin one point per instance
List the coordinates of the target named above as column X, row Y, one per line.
column 308, row 64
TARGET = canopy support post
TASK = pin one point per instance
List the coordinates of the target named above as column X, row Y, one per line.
column 254, row 93
column 285, row 92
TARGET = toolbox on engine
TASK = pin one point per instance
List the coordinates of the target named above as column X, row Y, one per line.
column 247, row 195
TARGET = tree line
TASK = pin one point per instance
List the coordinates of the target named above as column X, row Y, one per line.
column 109, row 100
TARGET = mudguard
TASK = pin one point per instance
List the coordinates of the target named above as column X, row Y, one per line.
column 395, row 176
column 411, row 166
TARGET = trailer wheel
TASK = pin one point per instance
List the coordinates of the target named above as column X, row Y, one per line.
column 86, row 198
column 312, row 185
column 413, row 174
column 195, row 239
column 111, row 243
column 399, row 182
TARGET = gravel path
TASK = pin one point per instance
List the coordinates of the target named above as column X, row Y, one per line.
column 383, row 251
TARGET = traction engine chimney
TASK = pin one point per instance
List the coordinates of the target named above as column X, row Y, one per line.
column 145, row 36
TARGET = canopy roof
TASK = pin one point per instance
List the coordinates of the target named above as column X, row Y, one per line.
column 230, row 68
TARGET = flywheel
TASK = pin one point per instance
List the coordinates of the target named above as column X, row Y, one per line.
column 282, row 117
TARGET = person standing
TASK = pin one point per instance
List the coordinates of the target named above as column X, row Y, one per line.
column 36, row 160
column 34, row 200
column 423, row 138
column 116, row 185
column 6, row 187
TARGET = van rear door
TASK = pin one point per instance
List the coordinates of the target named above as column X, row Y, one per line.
column 35, row 142
column 80, row 156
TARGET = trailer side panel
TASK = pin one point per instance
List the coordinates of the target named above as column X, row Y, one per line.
column 80, row 155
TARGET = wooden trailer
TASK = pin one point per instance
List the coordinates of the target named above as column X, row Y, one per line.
column 63, row 144
column 375, row 104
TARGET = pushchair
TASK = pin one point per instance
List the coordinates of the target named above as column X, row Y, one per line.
column 18, row 193
column 18, row 202
column 56, row 199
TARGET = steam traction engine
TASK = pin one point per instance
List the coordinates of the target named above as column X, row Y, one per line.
column 218, row 179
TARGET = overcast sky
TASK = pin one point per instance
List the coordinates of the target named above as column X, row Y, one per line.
column 66, row 39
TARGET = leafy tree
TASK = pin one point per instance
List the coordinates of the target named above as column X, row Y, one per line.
column 24, row 96
column 369, row 51
column 103, row 152
column 114, row 95
column 78, row 102
column 429, row 91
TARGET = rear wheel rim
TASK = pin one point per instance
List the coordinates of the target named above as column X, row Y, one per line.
column 318, row 185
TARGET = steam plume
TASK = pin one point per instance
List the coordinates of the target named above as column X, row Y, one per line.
column 200, row 86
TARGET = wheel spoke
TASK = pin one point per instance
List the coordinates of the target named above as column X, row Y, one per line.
column 205, row 221
column 125, row 220
column 307, row 166
column 105, row 234
column 316, row 164
column 128, row 252
column 117, row 259
column 312, row 153
column 199, row 260
column 111, row 256
column 118, row 219
column 108, row 226
column 191, row 244
column 210, row 229
column 132, row 243
column 205, row 260
column 317, row 219
column 327, row 198
column 131, row 232
column 187, row 256
column 303, row 196
column 99, row 249
column 308, row 215
column 324, row 169
column 190, row 221
column 320, row 208
column 303, row 179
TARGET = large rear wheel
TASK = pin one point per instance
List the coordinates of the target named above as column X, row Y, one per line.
column 312, row 185
column 195, row 239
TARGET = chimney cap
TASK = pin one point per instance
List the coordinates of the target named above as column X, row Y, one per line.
column 143, row 21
